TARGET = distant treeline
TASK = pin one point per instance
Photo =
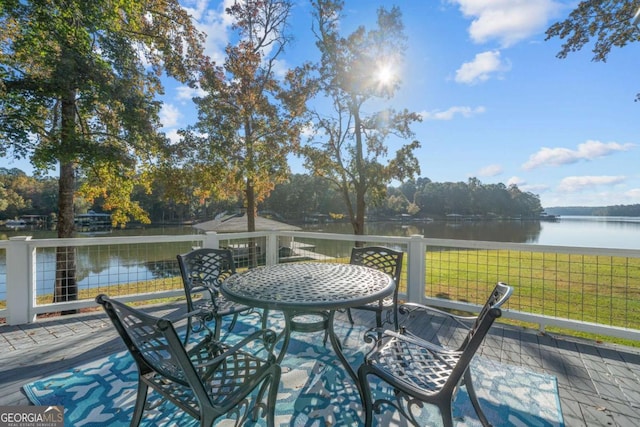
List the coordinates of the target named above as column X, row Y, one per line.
column 305, row 196
column 616, row 210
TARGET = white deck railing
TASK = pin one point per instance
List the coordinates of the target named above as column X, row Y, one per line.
column 582, row 289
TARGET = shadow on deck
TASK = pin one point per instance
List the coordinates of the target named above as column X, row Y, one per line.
column 599, row 384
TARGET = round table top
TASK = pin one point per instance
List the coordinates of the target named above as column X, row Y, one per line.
column 308, row 286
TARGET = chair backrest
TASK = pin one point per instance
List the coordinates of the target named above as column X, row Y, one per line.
column 475, row 339
column 500, row 294
column 205, row 267
column 380, row 258
column 154, row 345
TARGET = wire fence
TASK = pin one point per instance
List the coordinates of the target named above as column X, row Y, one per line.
column 578, row 288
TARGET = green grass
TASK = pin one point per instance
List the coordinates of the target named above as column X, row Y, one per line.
column 590, row 288
column 114, row 291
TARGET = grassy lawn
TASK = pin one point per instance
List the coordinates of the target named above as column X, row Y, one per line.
column 589, row 288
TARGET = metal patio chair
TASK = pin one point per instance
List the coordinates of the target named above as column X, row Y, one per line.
column 208, row 380
column 389, row 261
column 421, row 371
column 202, row 272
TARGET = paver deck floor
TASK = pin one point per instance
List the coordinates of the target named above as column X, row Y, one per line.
column 599, row 384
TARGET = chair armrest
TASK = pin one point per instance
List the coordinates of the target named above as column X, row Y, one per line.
column 213, row 291
column 435, row 350
column 267, row 336
column 199, row 313
column 408, row 336
column 410, row 307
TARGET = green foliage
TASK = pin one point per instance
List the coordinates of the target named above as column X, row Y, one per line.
column 472, row 198
column 605, row 23
column 349, row 148
column 298, row 197
column 249, row 121
column 11, row 201
column 78, row 86
column 302, row 195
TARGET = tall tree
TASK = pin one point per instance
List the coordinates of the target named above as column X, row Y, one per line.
column 607, row 23
column 250, row 119
column 349, row 147
column 77, row 92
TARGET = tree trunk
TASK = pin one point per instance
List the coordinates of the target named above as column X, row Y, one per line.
column 361, row 175
column 250, row 195
column 66, row 288
column 251, row 222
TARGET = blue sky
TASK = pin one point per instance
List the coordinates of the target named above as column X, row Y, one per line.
column 496, row 102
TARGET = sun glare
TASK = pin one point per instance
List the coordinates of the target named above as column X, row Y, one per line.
column 385, row 74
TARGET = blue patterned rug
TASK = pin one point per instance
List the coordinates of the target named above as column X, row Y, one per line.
column 314, row 391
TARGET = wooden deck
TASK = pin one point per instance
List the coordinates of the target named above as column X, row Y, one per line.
column 599, row 383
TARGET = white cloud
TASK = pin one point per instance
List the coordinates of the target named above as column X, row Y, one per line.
column 482, row 67
column 534, row 188
column 515, row 180
column 561, row 156
column 452, row 112
column 308, row 130
column 491, row 170
column 507, row 21
column 173, row 136
column 214, row 22
column 579, row 183
column 186, row 93
column 524, row 186
column 169, row 115
column 634, row 194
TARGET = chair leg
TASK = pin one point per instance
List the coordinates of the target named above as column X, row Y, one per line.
column 349, row 315
column 474, row 399
column 141, row 400
column 272, row 398
column 188, row 332
column 447, row 416
column 233, row 322
column 207, row 419
column 396, row 325
column 218, row 326
column 379, row 318
column 365, row 395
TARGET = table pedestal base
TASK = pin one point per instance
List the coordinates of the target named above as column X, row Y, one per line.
column 309, row 322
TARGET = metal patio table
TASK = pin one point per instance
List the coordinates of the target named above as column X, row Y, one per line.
column 302, row 289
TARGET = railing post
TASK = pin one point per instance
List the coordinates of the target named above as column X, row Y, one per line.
column 211, row 240
column 272, row 248
column 20, row 281
column 416, row 280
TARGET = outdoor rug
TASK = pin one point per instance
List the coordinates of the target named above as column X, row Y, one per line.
column 315, row 391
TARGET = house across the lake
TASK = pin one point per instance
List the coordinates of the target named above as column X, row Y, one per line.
column 93, row 221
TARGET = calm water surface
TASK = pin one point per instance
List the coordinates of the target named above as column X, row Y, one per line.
column 585, row 231
column 589, row 231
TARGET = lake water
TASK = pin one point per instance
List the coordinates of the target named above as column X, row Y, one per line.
column 586, row 231
column 597, row 232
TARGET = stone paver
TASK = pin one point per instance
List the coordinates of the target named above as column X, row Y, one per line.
column 599, row 384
